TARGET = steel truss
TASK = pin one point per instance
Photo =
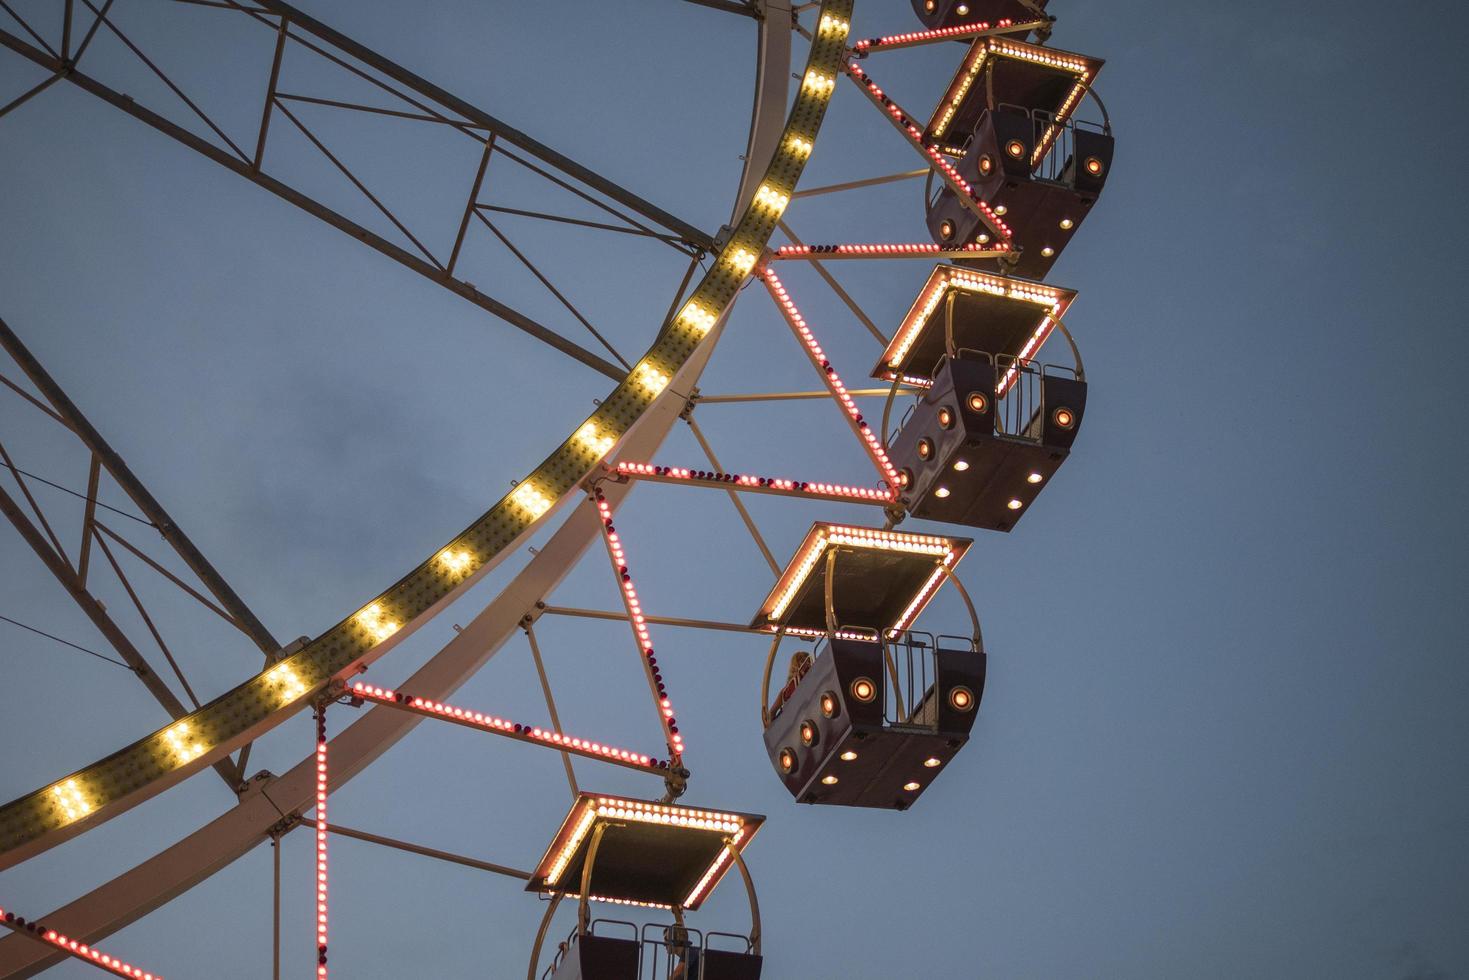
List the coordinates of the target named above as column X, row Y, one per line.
column 410, row 97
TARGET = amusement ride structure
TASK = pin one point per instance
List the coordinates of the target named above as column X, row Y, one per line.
column 972, row 426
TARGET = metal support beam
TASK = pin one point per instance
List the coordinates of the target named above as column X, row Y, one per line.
column 94, row 611
column 133, row 487
column 698, row 624
column 535, row 652
column 424, row 708
column 314, row 208
column 735, row 499
column 782, row 396
column 401, row 845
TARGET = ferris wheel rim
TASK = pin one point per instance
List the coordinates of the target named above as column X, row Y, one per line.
column 769, row 111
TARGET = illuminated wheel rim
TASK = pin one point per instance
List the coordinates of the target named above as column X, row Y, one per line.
column 87, row 798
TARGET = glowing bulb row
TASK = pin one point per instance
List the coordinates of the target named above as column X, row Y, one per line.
column 920, row 37
column 696, row 318
column 531, row 500
column 915, row 137
column 772, row 199
column 742, row 260
column 595, row 439
column 971, row 282
column 839, row 634
column 578, row 834
column 614, row 812
column 72, row 947
column 651, row 378
column 797, row 323
column 883, row 251
column 828, row 490
column 818, row 84
column 706, row 882
column 834, row 26
column 921, row 599
column 321, row 861
column 801, row 146
column 378, row 623
column 287, row 684
column 74, row 804
column 181, row 744
column 873, row 539
column 639, row 623
column 795, row 578
column 503, row 726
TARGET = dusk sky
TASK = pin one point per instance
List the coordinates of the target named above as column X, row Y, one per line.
column 1225, row 730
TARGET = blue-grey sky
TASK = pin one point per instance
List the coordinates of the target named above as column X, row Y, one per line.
column 1224, row 733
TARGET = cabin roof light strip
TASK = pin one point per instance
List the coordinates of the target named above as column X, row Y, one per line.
column 1082, row 67
column 512, row 729
column 39, row 819
column 944, row 278
column 79, row 950
column 837, row 535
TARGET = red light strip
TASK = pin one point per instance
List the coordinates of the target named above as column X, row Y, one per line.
column 501, row 726
column 890, row 42
column 87, row 954
column 321, row 865
column 870, row 442
column 639, row 624
column 758, row 484
column 914, row 135
column 919, row 250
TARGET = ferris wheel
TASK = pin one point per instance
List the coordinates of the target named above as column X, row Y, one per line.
column 963, row 424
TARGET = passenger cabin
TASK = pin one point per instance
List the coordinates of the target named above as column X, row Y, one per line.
column 653, row 855
column 939, row 14
column 1009, row 117
column 879, row 710
column 994, row 423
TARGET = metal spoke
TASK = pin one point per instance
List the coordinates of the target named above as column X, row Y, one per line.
column 535, row 652
column 734, row 498
column 698, row 624
column 419, row 849
column 854, row 184
column 836, row 287
column 29, row 94
column 781, row 396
